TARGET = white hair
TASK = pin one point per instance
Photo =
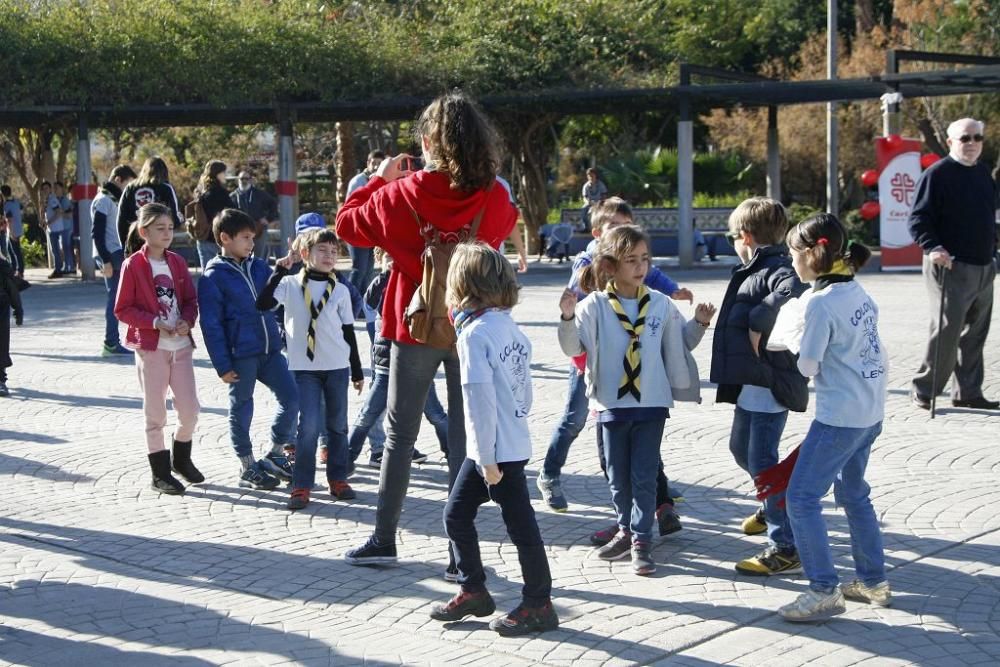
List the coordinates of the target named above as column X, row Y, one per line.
column 955, row 130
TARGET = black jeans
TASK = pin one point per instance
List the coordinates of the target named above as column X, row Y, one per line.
column 511, row 494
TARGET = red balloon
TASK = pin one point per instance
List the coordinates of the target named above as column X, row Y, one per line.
column 869, row 178
column 870, row 210
column 894, row 141
column 927, row 159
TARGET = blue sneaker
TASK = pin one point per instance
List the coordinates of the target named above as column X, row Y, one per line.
column 278, row 465
column 255, row 477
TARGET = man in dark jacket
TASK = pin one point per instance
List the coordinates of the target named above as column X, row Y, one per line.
column 952, row 219
column 108, row 251
column 764, row 385
column 260, row 206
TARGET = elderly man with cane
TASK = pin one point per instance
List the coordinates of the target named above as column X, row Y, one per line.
column 952, row 220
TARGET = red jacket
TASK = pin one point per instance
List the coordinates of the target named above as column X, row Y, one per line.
column 378, row 214
column 136, row 304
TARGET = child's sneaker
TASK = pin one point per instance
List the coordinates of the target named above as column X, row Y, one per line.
column 464, row 604
column 642, row 560
column 418, row 457
column 371, row 553
column 451, row 573
column 878, row 594
column 324, row 454
column 341, row 490
column 375, row 461
column 289, row 451
column 617, row 548
column 552, row 494
column 667, row 519
column 814, row 606
column 112, row 350
column 771, row 560
column 278, row 465
column 525, row 620
column 255, row 477
column 602, row 537
column 299, row 499
column 754, row 524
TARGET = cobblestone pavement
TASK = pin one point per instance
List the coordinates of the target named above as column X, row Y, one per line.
column 97, row 568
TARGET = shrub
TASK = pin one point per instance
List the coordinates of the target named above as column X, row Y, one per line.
column 34, row 253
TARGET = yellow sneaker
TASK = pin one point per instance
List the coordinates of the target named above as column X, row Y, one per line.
column 755, row 523
column 878, row 595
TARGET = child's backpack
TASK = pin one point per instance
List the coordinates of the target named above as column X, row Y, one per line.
column 427, row 315
column 199, row 227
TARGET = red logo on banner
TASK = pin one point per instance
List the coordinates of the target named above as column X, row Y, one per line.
column 902, row 188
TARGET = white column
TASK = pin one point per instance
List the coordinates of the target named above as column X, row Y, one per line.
column 685, row 185
column 83, row 194
column 287, row 187
column 773, row 155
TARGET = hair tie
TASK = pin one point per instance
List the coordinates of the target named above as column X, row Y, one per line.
column 822, row 240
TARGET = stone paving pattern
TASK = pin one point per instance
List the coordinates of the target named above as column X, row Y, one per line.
column 97, row 568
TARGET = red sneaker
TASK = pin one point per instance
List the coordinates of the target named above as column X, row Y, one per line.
column 299, row 499
column 602, row 537
column 341, row 490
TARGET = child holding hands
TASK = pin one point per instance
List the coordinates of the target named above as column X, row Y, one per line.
column 156, row 299
column 623, row 323
column 495, row 361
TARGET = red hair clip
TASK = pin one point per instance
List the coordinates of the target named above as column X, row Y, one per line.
column 822, row 240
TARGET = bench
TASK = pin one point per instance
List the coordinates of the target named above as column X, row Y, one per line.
column 184, row 246
column 712, row 224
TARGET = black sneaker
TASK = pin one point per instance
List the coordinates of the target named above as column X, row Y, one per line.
column 372, row 553
column 255, row 477
column 642, row 560
column 771, row 560
column 375, row 461
column 667, row 519
column 417, row 456
column 617, row 548
column 464, row 604
column 451, row 573
column 525, row 620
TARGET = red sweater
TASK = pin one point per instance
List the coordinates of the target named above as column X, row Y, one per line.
column 136, row 304
column 378, row 214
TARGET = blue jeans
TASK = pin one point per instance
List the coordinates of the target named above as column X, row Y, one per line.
column 206, row 251
column 511, row 494
column 573, row 420
column 112, row 337
column 838, row 456
column 316, row 389
column 632, row 450
column 272, row 370
column 754, row 441
column 56, row 246
column 362, row 266
column 69, row 262
column 368, row 423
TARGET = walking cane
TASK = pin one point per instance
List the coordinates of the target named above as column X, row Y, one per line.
column 937, row 343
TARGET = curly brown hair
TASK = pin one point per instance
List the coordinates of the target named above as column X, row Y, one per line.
column 463, row 141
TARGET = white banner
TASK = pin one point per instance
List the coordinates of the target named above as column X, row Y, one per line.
column 897, row 186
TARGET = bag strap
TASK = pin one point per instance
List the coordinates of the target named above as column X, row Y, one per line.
column 473, row 227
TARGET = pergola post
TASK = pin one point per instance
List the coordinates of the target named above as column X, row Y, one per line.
column 832, row 160
column 685, row 184
column 84, row 192
column 287, row 186
column 891, row 116
column 773, row 155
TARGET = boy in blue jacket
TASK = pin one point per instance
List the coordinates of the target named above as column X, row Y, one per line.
column 245, row 346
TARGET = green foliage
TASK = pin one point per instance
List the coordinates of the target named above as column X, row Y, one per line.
column 861, row 230
column 34, row 253
column 799, row 212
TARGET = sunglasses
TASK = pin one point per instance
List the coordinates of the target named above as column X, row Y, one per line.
column 966, row 138
column 733, row 238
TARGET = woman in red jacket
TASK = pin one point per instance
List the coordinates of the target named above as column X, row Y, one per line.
column 156, row 299
column 462, row 156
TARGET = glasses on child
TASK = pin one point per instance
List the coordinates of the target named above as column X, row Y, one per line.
column 966, row 138
column 733, row 238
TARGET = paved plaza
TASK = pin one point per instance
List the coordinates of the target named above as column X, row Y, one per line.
column 98, row 569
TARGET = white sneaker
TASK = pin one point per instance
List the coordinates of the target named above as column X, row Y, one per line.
column 814, row 606
column 878, row 594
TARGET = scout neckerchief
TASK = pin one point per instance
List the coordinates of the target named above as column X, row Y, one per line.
column 632, row 361
column 840, row 273
column 315, row 308
column 462, row 318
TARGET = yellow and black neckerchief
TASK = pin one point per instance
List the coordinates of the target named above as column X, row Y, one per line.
column 630, row 383
column 315, row 308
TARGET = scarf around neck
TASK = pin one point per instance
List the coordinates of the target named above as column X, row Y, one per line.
column 840, row 273
column 632, row 363
column 315, row 308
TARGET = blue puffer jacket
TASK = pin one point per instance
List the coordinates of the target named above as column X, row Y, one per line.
column 756, row 292
column 232, row 326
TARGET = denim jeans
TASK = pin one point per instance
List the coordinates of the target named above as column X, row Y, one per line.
column 663, row 495
column 511, row 494
column 368, row 423
column 327, row 389
column 69, row 261
column 411, row 373
column 838, row 456
column 56, row 247
column 632, row 450
column 272, row 370
column 362, row 266
column 754, row 441
column 112, row 337
column 573, row 420
column 206, row 251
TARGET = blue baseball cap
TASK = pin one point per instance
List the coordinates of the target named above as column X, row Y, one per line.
column 308, row 221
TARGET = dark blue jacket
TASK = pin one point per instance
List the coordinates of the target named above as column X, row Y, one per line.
column 756, row 292
column 231, row 325
column 381, row 347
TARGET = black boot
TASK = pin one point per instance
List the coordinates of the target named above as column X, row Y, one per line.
column 163, row 481
column 183, row 464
